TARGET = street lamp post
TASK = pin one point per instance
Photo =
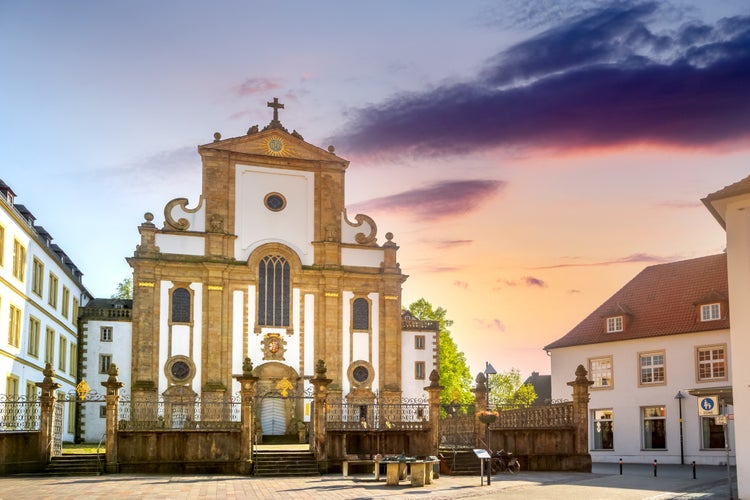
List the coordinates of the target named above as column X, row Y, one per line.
column 679, row 397
column 488, row 370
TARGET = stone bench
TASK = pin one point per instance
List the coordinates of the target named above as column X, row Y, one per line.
column 361, row 461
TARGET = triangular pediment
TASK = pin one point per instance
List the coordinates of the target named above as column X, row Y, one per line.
column 272, row 143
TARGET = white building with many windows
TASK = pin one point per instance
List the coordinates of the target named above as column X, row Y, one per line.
column 40, row 294
column 653, row 350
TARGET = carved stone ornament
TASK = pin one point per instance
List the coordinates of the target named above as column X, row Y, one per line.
column 274, row 347
column 362, row 238
column 215, row 223
column 180, row 224
column 247, row 366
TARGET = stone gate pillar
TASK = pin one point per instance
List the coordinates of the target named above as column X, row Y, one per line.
column 433, row 395
column 581, row 417
column 47, row 413
column 247, row 427
column 481, row 398
column 320, row 384
column 113, row 386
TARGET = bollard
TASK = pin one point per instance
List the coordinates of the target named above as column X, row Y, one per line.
column 654, row 467
column 693, row 469
column 621, row 466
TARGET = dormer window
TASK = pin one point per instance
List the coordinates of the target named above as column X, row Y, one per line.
column 710, row 312
column 614, row 324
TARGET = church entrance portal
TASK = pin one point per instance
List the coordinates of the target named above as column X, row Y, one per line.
column 283, row 408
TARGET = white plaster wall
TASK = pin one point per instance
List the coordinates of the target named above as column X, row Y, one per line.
column 626, row 398
column 738, row 262
column 412, row 387
column 309, row 335
column 361, row 346
column 346, row 340
column 256, row 225
column 375, row 350
column 238, row 330
column 182, row 244
column 362, row 257
column 120, row 348
column 197, row 334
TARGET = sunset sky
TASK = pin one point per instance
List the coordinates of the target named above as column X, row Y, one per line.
column 529, row 157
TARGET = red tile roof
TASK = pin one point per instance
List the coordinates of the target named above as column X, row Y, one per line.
column 661, row 300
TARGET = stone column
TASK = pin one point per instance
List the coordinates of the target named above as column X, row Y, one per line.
column 433, row 395
column 581, row 418
column 47, row 413
column 247, row 427
column 320, row 384
column 113, row 386
column 480, row 404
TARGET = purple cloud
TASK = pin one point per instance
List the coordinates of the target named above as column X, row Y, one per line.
column 605, row 78
column 493, row 324
column 634, row 258
column 253, row 86
column 532, row 281
column 437, row 201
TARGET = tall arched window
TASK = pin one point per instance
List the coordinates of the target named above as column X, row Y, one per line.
column 273, row 291
column 360, row 314
column 180, row 305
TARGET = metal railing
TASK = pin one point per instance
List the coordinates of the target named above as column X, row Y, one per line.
column 17, row 413
column 362, row 417
column 180, row 414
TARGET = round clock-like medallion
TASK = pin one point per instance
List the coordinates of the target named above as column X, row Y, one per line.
column 275, row 145
column 360, row 374
column 180, row 370
column 275, row 202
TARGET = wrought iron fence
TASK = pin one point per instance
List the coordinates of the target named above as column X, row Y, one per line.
column 180, row 414
column 19, row 413
column 558, row 415
column 408, row 415
column 457, row 425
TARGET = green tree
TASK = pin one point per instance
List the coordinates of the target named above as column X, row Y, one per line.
column 124, row 289
column 455, row 376
column 507, row 390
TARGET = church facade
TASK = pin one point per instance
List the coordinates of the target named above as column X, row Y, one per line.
column 268, row 266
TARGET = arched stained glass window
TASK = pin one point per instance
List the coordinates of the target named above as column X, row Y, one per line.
column 180, row 306
column 360, row 314
column 273, row 291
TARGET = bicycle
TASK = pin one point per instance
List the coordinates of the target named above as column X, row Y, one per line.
column 503, row 461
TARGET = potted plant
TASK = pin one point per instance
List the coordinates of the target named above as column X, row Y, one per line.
column 487, row 416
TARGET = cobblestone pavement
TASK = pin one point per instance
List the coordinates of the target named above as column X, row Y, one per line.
column 605, row 482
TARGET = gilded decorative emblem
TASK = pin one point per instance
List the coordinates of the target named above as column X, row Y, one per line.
column 275, row 146
column 274, row 347
column 82, row 389
column 284, row 386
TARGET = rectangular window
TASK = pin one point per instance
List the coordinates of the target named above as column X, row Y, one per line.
column 654, row 428
column 712, row 362
column 103, row 411
column 600, row 371
column 419, row 342
column 32, row 391
column 37, row 277
column 603, row 429
column 75, row 311
column 71, row 418
column 710, row 312
column 14, row 327
column 11, row 407
column 105, row 334
column 2, row 246
column 105, row 360
column 62, row 357
column 712, row 435
column 19, row 260
column 73, row 360
column 52, row 292
column 614, row 324
column 653, row 371
column 65, row 301
column 34, row 330
column 49, row 347
column 419, row 370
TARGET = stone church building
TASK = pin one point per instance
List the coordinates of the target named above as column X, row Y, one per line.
column 268, row 265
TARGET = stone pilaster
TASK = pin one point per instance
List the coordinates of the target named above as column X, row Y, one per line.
column 581, row 418
column 433, row 396
column 47, row 416
column 320, row 384
column 247, row 433
column 113, row 386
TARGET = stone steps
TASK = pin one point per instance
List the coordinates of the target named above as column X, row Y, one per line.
column 285, row 464
column 75, row 465
column 461, row 462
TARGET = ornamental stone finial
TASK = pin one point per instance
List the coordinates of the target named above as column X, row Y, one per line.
column 320, row 369
column 247, row 366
